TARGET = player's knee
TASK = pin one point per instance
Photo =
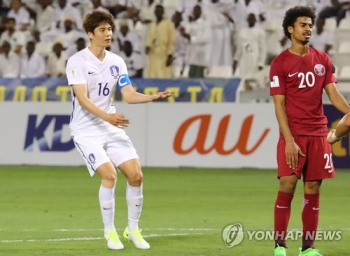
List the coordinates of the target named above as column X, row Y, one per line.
column 110, row 177
column 288, row 186
column 312, row 187
column 135, row 178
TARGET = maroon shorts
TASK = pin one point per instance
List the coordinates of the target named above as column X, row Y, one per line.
column 317, row 163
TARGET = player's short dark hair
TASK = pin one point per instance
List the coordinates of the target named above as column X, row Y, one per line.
column 94, row 19
column 293, row 14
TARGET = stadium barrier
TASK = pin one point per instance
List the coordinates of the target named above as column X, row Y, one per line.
column 186, row 90
column 222, row 135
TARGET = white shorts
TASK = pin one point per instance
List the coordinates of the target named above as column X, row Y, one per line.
column 97, row 149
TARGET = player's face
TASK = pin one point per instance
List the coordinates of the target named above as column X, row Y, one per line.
column 102, row 35
column 301, row 32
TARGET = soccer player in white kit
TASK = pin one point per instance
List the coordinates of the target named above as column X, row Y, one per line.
column 97, row 129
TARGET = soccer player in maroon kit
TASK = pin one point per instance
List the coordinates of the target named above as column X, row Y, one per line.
column 298, row 77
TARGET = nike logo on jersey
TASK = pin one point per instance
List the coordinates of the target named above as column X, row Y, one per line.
column 90, row 73
column 282, row 207
column 315, row 208
column 290, row 75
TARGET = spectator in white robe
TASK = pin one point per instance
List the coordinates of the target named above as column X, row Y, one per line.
column 32, row 63
column 79, row 45
column 322, row 39
column 44, row 15
column 145, row 17
column 20, row 14
column 215, row 12
column 16, row 38
column 81, row 5
column 185, row 7
column 146, row 14
column 56, row 61
column 10, row 62
column 65, row 11
column 244, row 7
column 70, row 34
column 180, row 52
column 133, row 60
column 197, row 32
column 133, row 8
column 251, row 54
column 125, row 34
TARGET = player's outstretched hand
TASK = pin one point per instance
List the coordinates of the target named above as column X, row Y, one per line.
column 162, row 95
column 329, row 137
column 118, row 120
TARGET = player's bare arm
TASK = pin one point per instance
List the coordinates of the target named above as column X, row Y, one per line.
column 342, row 129
column 131, row 96
column 292, row 149
column 115, row 119
column 336, row 98
column 341, row 104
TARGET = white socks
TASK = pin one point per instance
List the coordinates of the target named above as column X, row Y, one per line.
column 107, row 205
column 134, row 199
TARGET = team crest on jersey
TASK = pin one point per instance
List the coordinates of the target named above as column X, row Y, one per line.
column 319, row 69
column 114, row 71
column 92, row 158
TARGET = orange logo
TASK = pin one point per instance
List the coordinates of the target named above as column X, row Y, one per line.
column 218, row 145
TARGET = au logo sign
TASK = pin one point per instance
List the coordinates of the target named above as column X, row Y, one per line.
column 36, row 130
column 221, row 136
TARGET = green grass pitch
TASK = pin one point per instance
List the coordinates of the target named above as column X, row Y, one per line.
column 54, row 211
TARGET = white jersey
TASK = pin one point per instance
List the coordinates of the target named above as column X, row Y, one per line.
column 101, row 78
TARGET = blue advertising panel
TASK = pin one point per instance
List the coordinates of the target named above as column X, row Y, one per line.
column 186, row 90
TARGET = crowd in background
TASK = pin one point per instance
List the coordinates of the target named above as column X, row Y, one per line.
column 157, row 38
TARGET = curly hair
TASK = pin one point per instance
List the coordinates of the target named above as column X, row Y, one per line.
column 293, row 14
column 94, row 19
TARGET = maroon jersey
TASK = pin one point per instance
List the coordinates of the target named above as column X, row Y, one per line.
column 302, row 79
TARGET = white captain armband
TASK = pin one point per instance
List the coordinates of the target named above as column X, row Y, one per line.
column 123, row 80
